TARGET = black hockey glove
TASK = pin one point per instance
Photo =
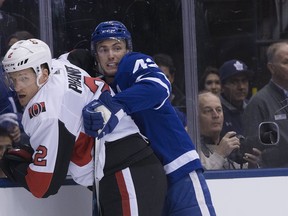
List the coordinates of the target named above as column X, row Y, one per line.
column 12, row 157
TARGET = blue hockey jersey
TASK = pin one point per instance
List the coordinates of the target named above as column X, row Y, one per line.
column 7, row 104
column 144, row 91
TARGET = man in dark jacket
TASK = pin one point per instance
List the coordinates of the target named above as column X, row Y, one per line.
column 234, row 75
column 270, row 104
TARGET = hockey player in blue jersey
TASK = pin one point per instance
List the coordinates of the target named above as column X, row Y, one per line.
column 143, row 90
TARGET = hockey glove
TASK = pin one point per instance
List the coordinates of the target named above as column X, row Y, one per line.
column 13, row 157
column 102, row 116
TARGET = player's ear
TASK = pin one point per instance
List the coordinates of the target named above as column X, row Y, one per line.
column 96, row 58
column 44, row 76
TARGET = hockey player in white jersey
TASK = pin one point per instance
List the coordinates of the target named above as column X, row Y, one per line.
column 54, row 92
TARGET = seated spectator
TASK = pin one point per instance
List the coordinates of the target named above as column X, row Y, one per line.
column 216, row 151
column 177, row 98
column 210, row 80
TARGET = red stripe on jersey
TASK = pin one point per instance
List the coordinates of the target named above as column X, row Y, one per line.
column 82, row 150
column 91, row 83
column 124, row 193
column 37, row 182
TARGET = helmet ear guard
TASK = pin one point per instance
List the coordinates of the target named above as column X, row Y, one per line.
column 110, row 30
column 24, row 54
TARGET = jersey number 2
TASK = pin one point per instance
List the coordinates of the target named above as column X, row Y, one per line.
column 41, row 153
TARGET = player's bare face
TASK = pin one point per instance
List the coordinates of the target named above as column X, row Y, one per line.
column 109, row 53
column 24, row 83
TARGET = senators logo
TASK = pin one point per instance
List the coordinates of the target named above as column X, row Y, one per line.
column 36, row 109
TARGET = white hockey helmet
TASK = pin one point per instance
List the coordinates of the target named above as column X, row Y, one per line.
column 31, row 53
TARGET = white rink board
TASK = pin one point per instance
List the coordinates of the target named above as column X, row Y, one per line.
column 71, row 200
column 252, row 196
column 262, row 196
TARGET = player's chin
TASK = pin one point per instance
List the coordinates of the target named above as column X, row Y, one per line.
column 23, row 101
column 110, row 72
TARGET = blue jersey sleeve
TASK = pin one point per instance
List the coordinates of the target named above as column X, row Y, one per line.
column 140, row 83
column 6, row 99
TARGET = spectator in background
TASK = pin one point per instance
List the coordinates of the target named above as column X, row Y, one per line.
column 19, row 35
column 270, row 104
column 166, row 64
column 216, row 151
column 234, row 75
column 210, row 80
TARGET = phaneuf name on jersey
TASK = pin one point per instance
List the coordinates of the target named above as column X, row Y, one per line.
column 74, row 79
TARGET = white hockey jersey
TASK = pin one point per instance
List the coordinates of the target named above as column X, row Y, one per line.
column 53, row 121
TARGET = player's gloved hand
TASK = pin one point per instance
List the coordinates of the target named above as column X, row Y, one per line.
column 101, row 116
column 9, row 120
column 13, row 157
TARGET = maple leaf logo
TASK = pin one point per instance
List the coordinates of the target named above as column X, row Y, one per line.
column 239, row 66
